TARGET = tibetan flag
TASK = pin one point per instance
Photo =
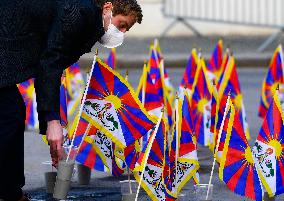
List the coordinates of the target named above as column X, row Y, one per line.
column 97, row 150
column 153, row 182
column 273, row 78
column 156, row 71
column 269, row 149
column 87, row 155
column 113, row 107
column 237, row 167
column 189, row 73
column 151, row 99
column 111, row 60
column 201, row 105
column 63, row 104
column 230, row 83
column 153, row 64
column 215, row 62
column 183, row 153
column 27, row 91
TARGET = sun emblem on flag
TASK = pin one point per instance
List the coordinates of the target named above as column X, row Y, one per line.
column 201, row 104
column 248, row 156
column 115, row 100
column 277, row 147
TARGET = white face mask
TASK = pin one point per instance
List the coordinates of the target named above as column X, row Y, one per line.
column 112, row 37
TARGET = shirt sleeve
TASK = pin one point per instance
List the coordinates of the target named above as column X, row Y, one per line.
column 62, row 49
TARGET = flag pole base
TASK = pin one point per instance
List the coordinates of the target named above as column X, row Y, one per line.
column 84, row 174
column 63, row 179
column 267, row 198
column 128, row 197
column 50, row 179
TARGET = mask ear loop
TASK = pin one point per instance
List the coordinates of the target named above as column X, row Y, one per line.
column 110, row 18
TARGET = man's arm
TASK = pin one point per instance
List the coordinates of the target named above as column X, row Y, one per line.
column 64, row 35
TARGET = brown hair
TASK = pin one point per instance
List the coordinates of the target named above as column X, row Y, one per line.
column 124, row 7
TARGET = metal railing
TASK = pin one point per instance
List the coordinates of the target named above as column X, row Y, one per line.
column 265, row 13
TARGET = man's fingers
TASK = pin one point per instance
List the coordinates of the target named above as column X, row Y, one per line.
column 59, row 150
column 53, row 153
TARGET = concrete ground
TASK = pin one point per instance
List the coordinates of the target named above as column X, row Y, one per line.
column 105, row 187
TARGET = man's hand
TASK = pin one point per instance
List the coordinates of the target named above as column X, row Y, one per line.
column 54, row 135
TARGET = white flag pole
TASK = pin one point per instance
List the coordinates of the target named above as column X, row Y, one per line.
column 218, row 142
column 177, row 140
column 81, row 106
column 148, row 151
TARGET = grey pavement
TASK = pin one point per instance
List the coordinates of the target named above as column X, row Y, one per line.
column 176, row 50
column 105, row 187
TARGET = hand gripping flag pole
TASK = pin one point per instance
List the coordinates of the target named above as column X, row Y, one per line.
column 81, row 108
column 148, row 151
column 218, row 142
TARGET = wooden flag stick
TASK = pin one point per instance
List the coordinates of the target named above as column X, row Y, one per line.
column 81, row 107
column 217, row 146
column 148, row 151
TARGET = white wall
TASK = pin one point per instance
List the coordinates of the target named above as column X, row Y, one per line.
column 154, row 23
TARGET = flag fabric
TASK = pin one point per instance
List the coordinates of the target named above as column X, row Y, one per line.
column 200, row 104
column 97, row 150
column 237, row 168
column 189, row 73
column 111, row 60
column 230, row 84
column 87, row 154
column 215, row 62
column 153, row 182
column 273, row 78
column 112, row 106
column 227, row 126
column 156, row 71
column 75, row 85
column 153, row 65
column 140, row 90
column 63, row 103
column 269, row 149
column 151, row 99
column 183, row 152
column 224, row 64
column 27, row 91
